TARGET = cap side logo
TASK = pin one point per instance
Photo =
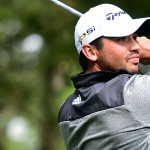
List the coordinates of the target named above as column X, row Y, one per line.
column 82, row 37
column 88, row 32
column 111, row 16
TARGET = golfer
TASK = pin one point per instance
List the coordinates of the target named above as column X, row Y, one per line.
column 110, row 107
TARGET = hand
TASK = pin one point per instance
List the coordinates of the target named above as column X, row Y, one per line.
column 145, row 50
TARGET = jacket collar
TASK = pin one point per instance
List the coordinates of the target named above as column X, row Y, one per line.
column 88, row 79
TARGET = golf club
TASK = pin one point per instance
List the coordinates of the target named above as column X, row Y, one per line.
column 70, row 9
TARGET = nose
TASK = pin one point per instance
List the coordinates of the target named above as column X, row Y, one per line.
column 134, row 44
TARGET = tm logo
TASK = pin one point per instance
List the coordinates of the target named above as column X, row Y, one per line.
column 111, row 16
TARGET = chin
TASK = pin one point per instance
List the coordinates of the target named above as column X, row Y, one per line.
column 133, row 70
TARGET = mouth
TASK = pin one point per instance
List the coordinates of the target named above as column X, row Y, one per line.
column 135, row 58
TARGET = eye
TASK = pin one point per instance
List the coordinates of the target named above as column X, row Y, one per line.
column 122, row 39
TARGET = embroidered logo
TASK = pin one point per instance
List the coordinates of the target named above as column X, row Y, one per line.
column 111, row 16
column 88, row 32
column 82, row 37
column 77, row 100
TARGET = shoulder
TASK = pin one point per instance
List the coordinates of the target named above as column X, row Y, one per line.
column 93, row 98
column 67, row 111
column 138, row 82
column 138, row 86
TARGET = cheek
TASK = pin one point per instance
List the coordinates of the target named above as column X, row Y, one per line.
column 116, row 60
column 116, row 55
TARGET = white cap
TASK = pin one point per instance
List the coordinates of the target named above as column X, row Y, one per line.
column 110, row 21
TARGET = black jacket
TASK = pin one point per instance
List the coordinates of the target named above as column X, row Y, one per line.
column 102, row 112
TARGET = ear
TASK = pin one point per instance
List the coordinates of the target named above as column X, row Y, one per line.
column 90, row 52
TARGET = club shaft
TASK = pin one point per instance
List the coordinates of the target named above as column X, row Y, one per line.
column 70, row 9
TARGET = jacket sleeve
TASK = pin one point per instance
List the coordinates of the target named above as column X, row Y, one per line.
column 137, row 97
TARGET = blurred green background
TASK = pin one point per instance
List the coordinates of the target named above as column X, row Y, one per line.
column 37, row 59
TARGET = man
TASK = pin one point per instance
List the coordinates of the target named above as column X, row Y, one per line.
column 110, row 108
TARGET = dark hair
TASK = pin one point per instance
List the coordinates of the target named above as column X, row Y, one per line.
column 97, row 43
column 83, row 60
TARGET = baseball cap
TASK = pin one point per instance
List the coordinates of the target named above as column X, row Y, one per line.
column 110, row 21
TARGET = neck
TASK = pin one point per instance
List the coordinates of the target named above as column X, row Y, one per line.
column 93, row 67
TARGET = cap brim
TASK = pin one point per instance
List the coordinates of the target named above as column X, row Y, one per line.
column 144, row 28
column 139, row 26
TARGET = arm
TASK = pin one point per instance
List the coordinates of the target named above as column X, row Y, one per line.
column 145, row 50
